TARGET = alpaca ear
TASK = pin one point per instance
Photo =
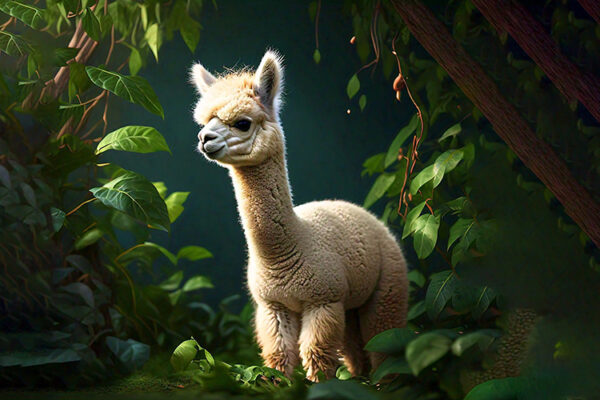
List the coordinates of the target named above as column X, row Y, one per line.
column 201, row 78
column 268, row 80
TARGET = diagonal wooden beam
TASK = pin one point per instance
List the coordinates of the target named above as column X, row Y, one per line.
column 536, row 154
column 511, row 17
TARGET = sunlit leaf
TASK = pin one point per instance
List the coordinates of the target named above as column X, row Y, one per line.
column 154, row 38
column 483, row 338
column 452, row 131
column 317, row 56
column 175, row 204
column 184, row 354
column 172, row 282
column 88, row 238
column 137, row 197
column 193, row 253
column 425, row 234
column 362, row 102
column 13, row 44
column 412, row 215
column 197, row 282
column 137, row 139
column 132, row 88
column 190, row 33
column 381, row 185
column 391, row 341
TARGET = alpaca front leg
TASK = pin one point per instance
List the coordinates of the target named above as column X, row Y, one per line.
column 321, row 338
column 277, row 335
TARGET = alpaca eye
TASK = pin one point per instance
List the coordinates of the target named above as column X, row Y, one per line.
column 242, row 124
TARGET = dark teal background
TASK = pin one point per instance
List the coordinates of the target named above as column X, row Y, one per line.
column 325, row 146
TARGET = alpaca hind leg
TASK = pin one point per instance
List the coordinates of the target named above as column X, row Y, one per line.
column 321, row 338
column 277, row 335
column 387, row 306
column 355, row 356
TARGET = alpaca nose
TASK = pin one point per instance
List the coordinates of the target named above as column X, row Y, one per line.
column 207, row 136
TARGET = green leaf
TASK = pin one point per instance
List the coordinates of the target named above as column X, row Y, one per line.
column 317, row 56
column 5, row 177
column 175, row 204
column 483, row 338
column 452, row 131
column 12, row 44
column 135, row 196
column 29, row 15
column 197, row 282
column 88, row 238
column 164, row 251
column 409, row 226
column 500, row 389
column 362, row 102
column 58, row 218
column 133, row 138
column 342, row 373
column 131, row 353
column 445, row 163
column 135, row 61
column 391, row 365
column 484, row 298
column 161, row 187
column 190, row 33
column 336, row 389
column 132, row 88
column 416, row 310
column 37, row 357
column 440, row 291
column 460, row 229
column 426, row 350
column 193, row 253
column 392, row 153
column 381, row 185
column 175, row 296
column 374, row 164
column 184, row 354
column 91, row 25
column 82, row 290
column 28, row 194
column 425, row 234
column 353, row 86
column 421, row 179
column 154, row 38
column 64, row 54
column 78, row 79
column 172, row 282
column 391, row 341
column 416, row 277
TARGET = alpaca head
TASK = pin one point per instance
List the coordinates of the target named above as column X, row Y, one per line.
column 238, row 113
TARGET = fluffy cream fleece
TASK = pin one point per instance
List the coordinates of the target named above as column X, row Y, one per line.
column 325, row 276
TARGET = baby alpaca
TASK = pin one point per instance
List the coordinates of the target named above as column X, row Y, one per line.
column 325, row 276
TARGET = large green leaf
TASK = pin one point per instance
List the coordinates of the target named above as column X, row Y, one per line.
column 138, row 139
column 392, row 153
column 12, row 44
column 137, row 197
column 30, row 15
column 425, row 350
column 391, row 341
column 440, row 291
column 131, row 353
column 132, row 88
column 184, row 354
column 381, row 185
column 425, row 234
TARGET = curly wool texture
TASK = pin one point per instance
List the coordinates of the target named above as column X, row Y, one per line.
column 325, row 276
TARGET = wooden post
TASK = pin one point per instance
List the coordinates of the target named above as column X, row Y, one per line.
column 536, row 154
column 510, row 16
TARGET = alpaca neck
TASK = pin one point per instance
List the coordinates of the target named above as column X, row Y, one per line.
column 265, row 205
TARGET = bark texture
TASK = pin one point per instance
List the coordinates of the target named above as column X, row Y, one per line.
column 536, row 154
column 511, row 17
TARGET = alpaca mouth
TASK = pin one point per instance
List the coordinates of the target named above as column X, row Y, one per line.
column 212, row 153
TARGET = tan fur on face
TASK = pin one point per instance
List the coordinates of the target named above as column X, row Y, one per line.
column 325, row 276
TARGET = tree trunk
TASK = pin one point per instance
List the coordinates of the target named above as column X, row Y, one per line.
column 510, row 16
column 592, row 7
column 505, row 119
